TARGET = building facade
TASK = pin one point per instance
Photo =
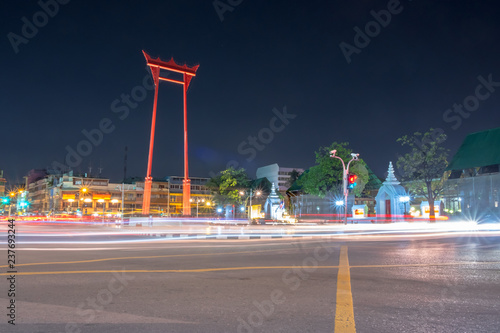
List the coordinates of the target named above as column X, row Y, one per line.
column 2, row 184
column 55, row 194
column 473, row 186
column 279, row 176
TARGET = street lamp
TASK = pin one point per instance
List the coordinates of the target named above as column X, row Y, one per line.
column 103, row 206
column 404, row 200
column 13, row 195
column 122, row 187
column 346, row 173
column 197, row 202
column 70, row 203
column 257, row 193
column 83, row 191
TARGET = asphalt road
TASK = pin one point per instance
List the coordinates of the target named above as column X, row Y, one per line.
column 444, row 283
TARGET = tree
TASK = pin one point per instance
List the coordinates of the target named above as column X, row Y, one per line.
column 423, row 167
column 327, row 174
column 294, row 175
column 226, row 186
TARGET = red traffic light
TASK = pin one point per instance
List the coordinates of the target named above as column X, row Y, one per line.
column 352, row 179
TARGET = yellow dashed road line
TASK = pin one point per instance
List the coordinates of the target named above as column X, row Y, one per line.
column 344, row 313
column 202, row 270
column 152, row 257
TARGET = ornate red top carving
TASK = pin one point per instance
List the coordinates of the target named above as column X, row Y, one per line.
column 170, row 65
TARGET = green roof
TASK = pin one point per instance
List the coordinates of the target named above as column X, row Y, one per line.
column 295, row 186
column 478, row 150
column 261, row 184
column 374, row 183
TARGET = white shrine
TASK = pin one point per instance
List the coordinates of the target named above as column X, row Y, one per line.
column 272, row 207
column 388, row 202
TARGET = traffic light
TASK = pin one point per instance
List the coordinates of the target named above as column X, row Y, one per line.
column 5, row 201
column 352, row 181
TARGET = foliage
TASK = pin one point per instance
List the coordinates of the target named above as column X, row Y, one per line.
column 227, row 184
column 423, row 167
column 326, row 175
column 294, row 175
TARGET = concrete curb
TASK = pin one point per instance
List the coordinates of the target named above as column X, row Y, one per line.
column 224, row 237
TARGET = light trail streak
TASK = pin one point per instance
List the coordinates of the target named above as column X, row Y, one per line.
column 354, row 231
column 365, row 236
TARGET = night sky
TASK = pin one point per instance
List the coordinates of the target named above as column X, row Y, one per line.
column 262, row 56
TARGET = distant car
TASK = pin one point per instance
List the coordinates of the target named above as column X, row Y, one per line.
column 258, row 221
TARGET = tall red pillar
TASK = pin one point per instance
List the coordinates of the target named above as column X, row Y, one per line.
column 146, row 200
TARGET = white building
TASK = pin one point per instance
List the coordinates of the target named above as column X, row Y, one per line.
column 389, row 203
column 279, row 176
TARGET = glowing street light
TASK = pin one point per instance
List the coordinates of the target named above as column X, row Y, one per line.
column 197, row 202
column 257, row 194
column 404, row 200
column 103, row 207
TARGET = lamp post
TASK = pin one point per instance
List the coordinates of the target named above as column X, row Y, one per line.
column 345, row 175
column 12, row 196
column 70, row 204
column 208, row 205
column 123, row 199
column 83, row 190
column 257, row 193
column 197, row 202
column 122, row 187
column 404, row 200
column 103, row 205
column 339, row 203
column 168, row 200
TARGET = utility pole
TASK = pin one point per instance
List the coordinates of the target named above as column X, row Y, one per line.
column 345, row 175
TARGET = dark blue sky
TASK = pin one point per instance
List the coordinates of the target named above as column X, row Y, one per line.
column 264, row 55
